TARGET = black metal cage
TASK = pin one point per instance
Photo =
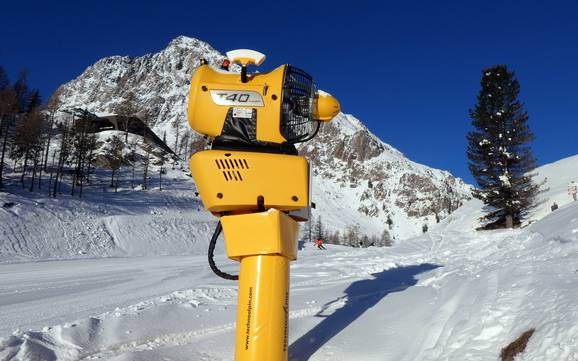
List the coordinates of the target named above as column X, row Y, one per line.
column 297, row 123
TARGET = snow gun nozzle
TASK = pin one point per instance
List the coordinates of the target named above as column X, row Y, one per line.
column 259, row 110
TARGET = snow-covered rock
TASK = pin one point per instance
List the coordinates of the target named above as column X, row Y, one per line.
column 360, row 180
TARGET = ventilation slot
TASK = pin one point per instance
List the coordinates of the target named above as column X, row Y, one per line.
column 232, row 168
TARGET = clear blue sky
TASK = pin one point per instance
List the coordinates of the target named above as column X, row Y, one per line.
column 409, row 70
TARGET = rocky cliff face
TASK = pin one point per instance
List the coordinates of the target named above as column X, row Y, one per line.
column 357, row 176
column 359, row 181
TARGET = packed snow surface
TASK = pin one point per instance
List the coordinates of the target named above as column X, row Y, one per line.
column 105, row 223
column 453, row 293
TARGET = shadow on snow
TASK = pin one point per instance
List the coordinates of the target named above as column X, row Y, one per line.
column 359, row 297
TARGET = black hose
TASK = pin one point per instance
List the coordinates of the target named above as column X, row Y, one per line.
column 212, row 264
column 301, row 140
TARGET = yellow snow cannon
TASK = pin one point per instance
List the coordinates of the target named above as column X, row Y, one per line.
column 253, row 179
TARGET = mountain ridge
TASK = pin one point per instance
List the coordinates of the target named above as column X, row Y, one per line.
column 371, row 181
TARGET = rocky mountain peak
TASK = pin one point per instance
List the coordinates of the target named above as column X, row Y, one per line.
column 358, row 179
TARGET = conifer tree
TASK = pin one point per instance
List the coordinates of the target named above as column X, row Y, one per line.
column 500, row 158
column 385, row 239
column 352, row 235
column 4, row 81
column 147, row 148
column 162, row 158
column 84, row 143
column 34, row 101
column 319, row 229
column 52, row 108
column 64, row 153
column 114, row 158
column 9, row 109
column 22, row 92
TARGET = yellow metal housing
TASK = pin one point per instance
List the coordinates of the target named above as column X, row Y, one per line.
column 207, row 117
column 270, row 232
column 235, row 181
column 264, row 243
column 327, row 107
column 263, row 309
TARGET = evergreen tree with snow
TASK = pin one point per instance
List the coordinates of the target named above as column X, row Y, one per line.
column 500, row 158
column 113, row 158
column 319, row 230
column 386, row 240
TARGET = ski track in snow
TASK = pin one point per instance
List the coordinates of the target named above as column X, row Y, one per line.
column 451, row 294
column 465, row 310
column 458, row 320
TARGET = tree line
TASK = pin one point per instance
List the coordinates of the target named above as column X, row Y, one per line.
column 58, row 150
column 352, row 236
column 47, row 147
column 22, row 126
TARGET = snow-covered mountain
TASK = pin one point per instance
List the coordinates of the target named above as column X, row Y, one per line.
column 158, row 82
column 359, row 180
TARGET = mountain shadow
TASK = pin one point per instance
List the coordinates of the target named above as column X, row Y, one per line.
column 359, row 297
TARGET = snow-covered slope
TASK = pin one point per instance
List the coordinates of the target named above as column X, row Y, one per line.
column 104, row 223
column 556, row 177
column 359, row 180
column 453, row 294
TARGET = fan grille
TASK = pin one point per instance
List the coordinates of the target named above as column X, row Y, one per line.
column 297, row 106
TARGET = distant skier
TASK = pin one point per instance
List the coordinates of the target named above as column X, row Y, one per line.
column 573, row 189
column 225, row 64
column 319, row 243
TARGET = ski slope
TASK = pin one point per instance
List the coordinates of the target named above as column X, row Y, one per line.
column 453, row 294
column 555, row 178
column 104, row 223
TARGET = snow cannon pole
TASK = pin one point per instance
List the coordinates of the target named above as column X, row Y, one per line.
column 264, row 243
column 253, row 179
